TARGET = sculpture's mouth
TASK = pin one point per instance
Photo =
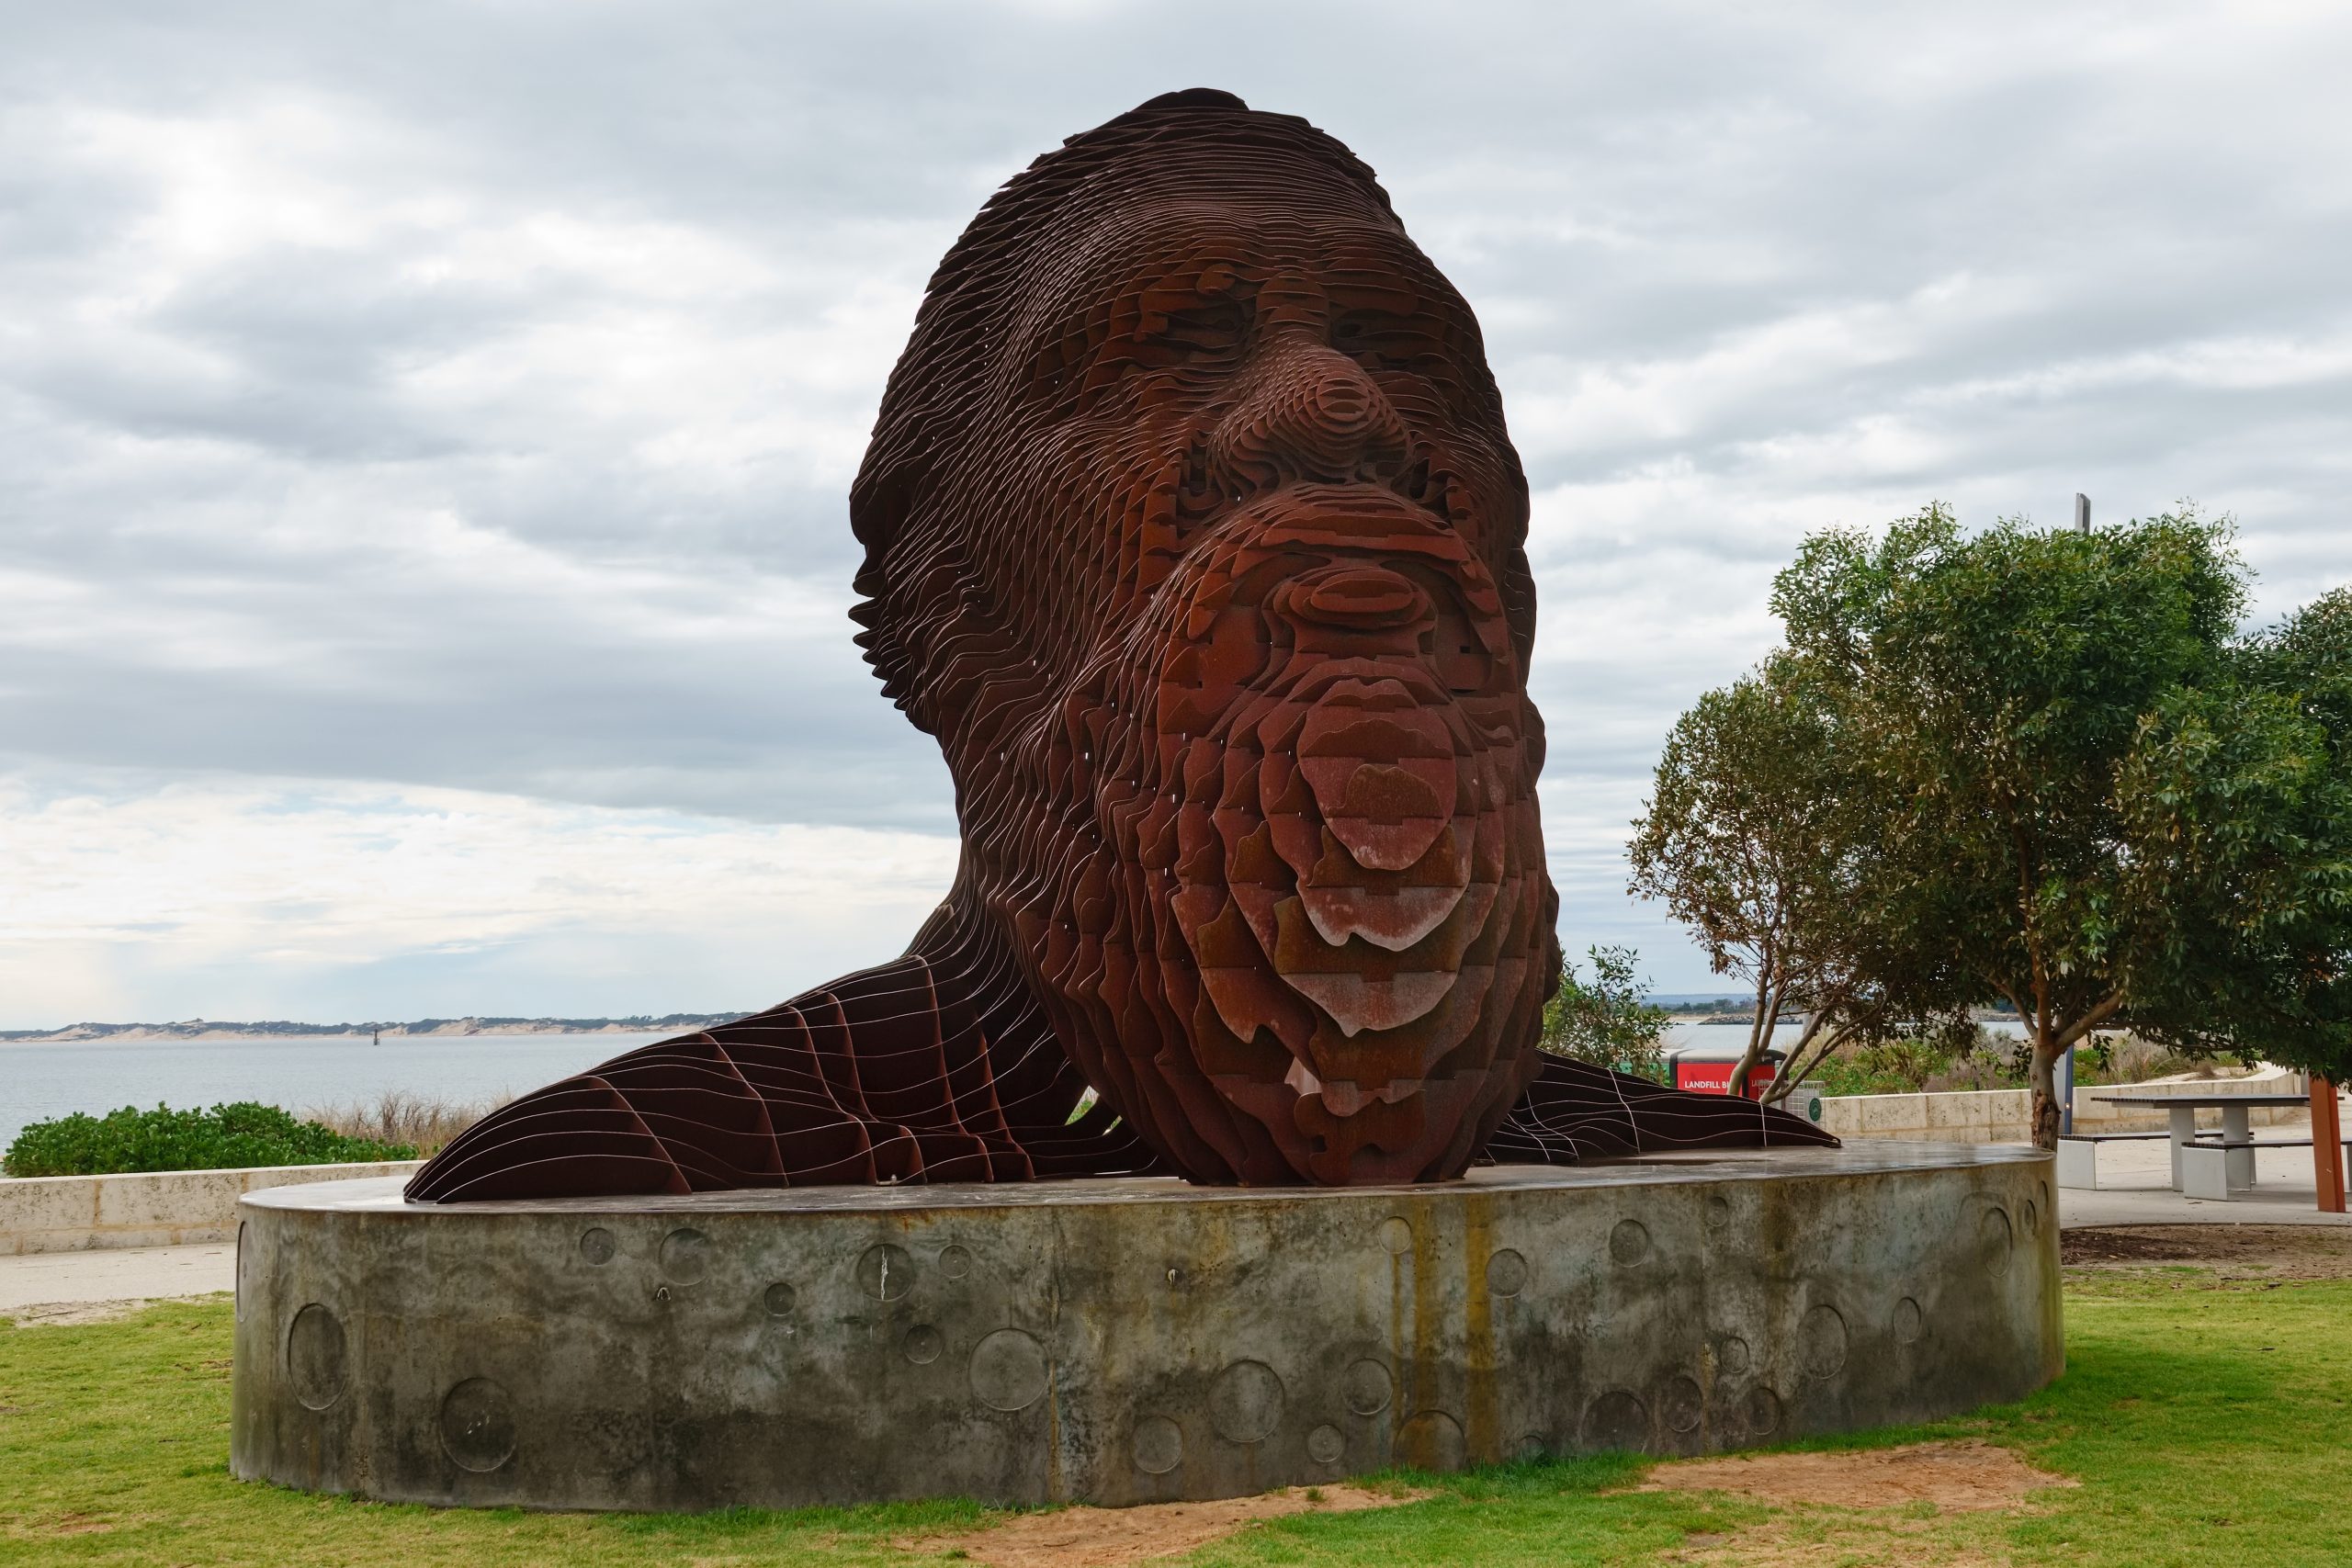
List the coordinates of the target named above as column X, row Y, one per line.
column 1342, row 836
column 1359, row 800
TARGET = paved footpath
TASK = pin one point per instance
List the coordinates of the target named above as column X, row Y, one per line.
column 49, row 1282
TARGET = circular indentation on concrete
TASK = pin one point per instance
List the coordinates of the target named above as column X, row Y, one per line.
column 954, row 1262
column 1506, row 1273
column 1367, row 1387
column 477, row 1426
column 2031, row 1216
column 685, row 1257
column 1731, row 1354
column 778, row 1299
column 886, row 1272
column 317, row 1365
column 1683, row 1404
column 1008, row 1368
column 1618, row 1420
column 596, row 1245
column 1324, row 1446
column 244, row 1274
column 1396, row 1236
column 1530, row 1445
column 1761, row 1411
column 922, row 1345
column 1431, row 1439
column 1718, row 1213
column 1993, row 1240
column 1821, row 1341
column 1629, row 1242
column 1159, row 1445
column 1909, row 1322
column 1246, row 1403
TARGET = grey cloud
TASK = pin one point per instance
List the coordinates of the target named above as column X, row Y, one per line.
column 278, row 315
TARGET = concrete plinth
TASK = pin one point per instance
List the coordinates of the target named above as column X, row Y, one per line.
column 1125, row 1341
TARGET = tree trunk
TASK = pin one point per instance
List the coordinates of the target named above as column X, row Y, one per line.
column 1740, row 1074
column 1778, row 1090
column 2042, row 1074
column 1760, row 1035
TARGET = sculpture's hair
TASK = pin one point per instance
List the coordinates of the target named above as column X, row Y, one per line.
column 934, row 391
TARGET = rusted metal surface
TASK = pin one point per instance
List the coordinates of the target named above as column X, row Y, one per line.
column 1193, row 533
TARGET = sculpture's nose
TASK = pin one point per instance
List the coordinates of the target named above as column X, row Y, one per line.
column 1309, row 412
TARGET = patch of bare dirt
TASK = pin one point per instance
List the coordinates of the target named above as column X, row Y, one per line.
column 1113, row 1537
column 66, row 1315
column 71, row 1522
column 1872, row 1544
column 1955, row 1475
column 2268, row 1252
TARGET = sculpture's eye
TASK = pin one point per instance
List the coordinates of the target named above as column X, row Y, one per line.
column 1380, row 341
column 1209, row 333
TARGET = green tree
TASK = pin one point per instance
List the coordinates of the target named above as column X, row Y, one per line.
column 2257, row 778
column 1756, row 832
column 1608, row 1022
column 2023, row 701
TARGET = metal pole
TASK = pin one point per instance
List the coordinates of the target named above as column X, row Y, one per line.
column 2066, row 1064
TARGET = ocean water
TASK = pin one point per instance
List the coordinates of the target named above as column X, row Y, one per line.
column 40, row 1081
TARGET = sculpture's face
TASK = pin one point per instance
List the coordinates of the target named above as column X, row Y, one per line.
column 1261, row 819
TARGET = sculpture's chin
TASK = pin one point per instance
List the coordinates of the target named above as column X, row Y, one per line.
column 1363, row 928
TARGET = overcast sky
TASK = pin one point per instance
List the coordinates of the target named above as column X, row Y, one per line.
column 425, row 429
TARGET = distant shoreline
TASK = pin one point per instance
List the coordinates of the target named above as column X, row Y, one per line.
column 415, row 1029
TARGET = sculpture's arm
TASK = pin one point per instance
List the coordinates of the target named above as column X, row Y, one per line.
column 895, row 1074
column 1575, row 1111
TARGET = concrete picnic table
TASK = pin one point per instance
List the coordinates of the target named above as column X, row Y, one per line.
column 2237, row 1129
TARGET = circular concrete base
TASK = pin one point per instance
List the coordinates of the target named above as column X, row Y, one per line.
column 1125, row 1341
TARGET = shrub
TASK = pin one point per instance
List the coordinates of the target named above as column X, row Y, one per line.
column 396, row 1116
column 225, row 1137
column 1607, row 1021
column 1929, row 1066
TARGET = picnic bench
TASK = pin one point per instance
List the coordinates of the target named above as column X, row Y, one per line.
column 2213, row 1167
column 2079, row 1154
column 2237, row 1126
column 2210, row 1166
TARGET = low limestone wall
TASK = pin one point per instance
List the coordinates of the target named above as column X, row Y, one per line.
column 1125, row 1341
column 161, row 1208
column 2003, row 1115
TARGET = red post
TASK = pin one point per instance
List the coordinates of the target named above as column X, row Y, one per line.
column 2327, row 1146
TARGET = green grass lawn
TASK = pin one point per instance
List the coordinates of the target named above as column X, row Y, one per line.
column 2209, row 1424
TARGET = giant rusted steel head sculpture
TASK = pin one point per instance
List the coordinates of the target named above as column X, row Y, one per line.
column 1193, row 533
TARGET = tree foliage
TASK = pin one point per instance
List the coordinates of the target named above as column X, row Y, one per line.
column 2040, row 767
column 1756, row 832
column 2283, row 738
column 2014, row 692
column 1607, row 1021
